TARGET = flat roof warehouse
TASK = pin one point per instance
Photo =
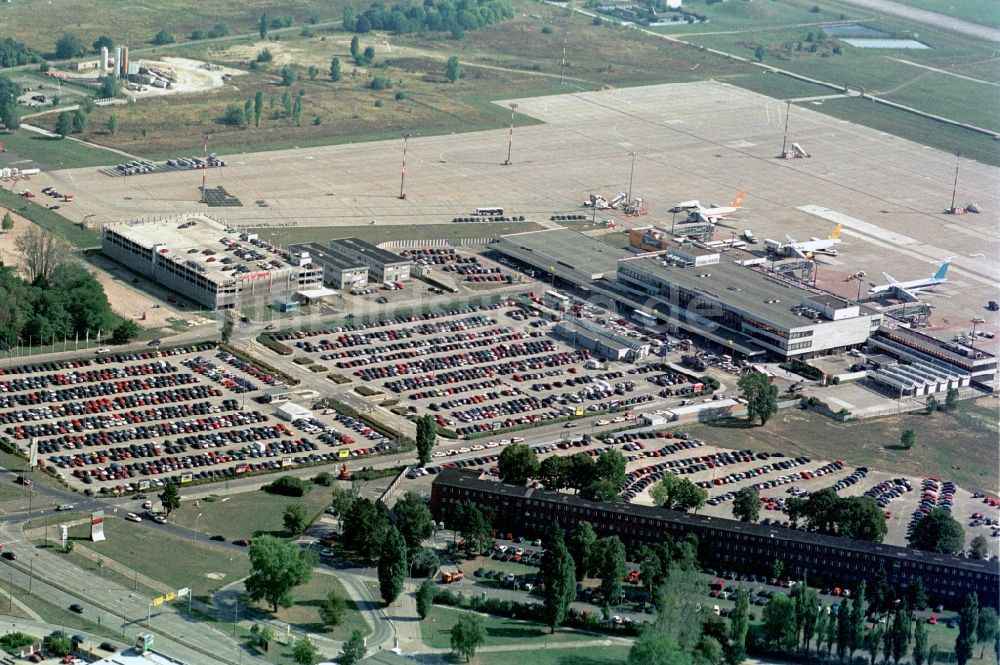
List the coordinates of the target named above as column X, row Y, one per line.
column 562, row 250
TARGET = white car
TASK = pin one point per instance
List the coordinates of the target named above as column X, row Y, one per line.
column 103, row 349
column 602, row 422
column 132, row 517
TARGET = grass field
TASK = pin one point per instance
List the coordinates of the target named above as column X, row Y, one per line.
column 38, row 23
column 157, row 555
column 589, row 655
column 975, row 11
column 960, row 446
column 309, row 598
column 230, row 516
column 436, row 628
column 49, row 220
column 48, row 153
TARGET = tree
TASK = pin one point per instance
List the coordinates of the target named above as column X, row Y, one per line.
column 678, row 493
column 582, row 547
column 475, row 525
column 425, row 599
column 235, row 116
column 517, row 464
column 79, row 121
column 112, row 124
column 164, row 37
column 335, row 69
column 43, row 253
column 110, row 87
column 779, row 622
column 831, row 630
column 843, row 629
column 951, row 399
column 8, row 222
column 610, row 467
column 453, row 70
column 331, row 612
column 761, row 396
column 822, row 626
column 313, row 72
column 364, row 528
column 258, row 107
column 125, row 332
column 899, row 632
column 739, row 624
column 655, row 648
column 601, row 490
column 392, row 565
column 806, row 603
column 908, row 438
column 554, row 472
column 170, row 498
column 413, row 519
column 277, row 566
column 341, row 499
column 286, row 102
column 288, row 75
column 355, row 47
column 59, row 643
column 916, row 595
column 759, row 53
column 467, row 635
column 305, row 652
column 968, row 623
column 873, row 641
column 294, row 518
column 353, row 650
column 777, row 568
column 424, row 562
column 582, row 471
column 746, row 504
column 297, row 111
column 939, row 532
column 262, row 26
column 368, row 55
column 105, row 42
column 559, row 572
column 69, row 46
column 287, row 486
column 986, row 628
column 979, row 548
column 64, row 124
column 856, row 635
column 611, row 568
column 919, row 643
column 426, row 425
column 680, row 614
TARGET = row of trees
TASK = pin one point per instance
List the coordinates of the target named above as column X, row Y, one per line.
column 851, row 517
column 10, row 116
column 252, row 110
column 430, row 16
column 598, row 480
column 14, row 53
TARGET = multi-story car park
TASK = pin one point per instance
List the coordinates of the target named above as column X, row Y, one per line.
column 780, row 316
column 383, row 265
column 338, row 272
column 199, row 258
column 735, row 545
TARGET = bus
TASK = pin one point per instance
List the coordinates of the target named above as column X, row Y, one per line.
column 643, row 318
column 489, row 211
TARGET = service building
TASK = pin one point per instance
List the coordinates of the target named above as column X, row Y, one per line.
column 338, row 272
column 199, row 258
column 383, row 265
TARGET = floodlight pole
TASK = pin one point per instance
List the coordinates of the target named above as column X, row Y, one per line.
column 631, row 172
column 954, row 188
column 510, row 137
column 204, row 169
column 784, row 139
column 402, row 174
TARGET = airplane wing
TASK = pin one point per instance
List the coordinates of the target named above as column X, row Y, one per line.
column 797, row 251
column 889, row 278
column 907, row 296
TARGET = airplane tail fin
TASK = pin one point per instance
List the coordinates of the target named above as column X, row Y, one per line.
column 738, row 201
column 836, row 232
column 942, row 271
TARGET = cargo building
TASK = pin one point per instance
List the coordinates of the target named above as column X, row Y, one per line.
column 383, row 265
column 338, row 271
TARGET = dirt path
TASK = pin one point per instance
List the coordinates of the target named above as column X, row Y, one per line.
column 930, row 18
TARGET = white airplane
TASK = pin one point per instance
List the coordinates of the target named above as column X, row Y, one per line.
column 807, row 248
column 712, row 214
column 910, row 288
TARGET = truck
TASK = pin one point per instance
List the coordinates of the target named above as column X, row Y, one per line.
column 447, row 577
column 749, row 236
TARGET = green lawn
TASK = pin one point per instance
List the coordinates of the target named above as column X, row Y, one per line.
column 960, row 446
column 435, row 630
column 176, row 562
column 976, row 11
column 50, row 154
column 589, row 655
column 246, row 514
column 49, row 220
column 309, row 598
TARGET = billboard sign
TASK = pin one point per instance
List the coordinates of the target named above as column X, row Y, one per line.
column 97, row 526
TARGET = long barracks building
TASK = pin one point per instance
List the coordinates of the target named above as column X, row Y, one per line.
column 725, row 543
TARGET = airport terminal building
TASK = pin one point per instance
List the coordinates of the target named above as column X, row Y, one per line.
column 197, row 257
column 778, row 315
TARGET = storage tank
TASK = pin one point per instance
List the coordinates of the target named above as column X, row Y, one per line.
column 104, row 61
column 118, row 62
